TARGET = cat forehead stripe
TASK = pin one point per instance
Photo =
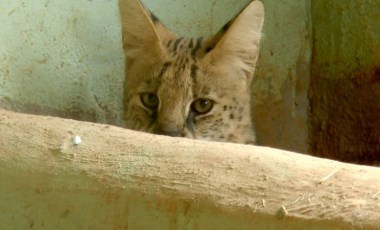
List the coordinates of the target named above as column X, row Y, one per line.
column 176, row 43
column 191, row 43
column 193, row 71
column 164, row 68
column 197, row 47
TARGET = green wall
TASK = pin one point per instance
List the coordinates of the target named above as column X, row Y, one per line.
column 61, row 58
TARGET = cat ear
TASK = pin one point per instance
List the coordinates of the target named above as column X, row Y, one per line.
column 237, row 44
column 140, row 36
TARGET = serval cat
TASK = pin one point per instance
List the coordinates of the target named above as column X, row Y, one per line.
column 185, row 87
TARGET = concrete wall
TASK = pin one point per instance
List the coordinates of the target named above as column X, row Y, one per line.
column 345, row 84
column 64, row 58
column 61, row 58
column 281, row 83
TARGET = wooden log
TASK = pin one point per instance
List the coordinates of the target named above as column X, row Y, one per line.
column 121, row 179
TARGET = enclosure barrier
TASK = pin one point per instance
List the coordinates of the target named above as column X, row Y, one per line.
column 66, row 174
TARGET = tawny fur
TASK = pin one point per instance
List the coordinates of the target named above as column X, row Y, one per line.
column 181, row 70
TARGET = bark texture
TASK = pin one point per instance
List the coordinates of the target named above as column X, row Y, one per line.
column 121, row 179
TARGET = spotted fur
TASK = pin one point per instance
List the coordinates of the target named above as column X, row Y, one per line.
column 181, row 70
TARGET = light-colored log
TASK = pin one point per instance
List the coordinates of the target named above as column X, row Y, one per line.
column 121, row 179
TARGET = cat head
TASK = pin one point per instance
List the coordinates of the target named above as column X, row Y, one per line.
column 197, row 88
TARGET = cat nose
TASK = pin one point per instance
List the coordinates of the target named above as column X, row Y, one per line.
column 168, row 132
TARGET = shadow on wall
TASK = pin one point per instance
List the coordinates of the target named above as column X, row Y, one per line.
column 345, row 84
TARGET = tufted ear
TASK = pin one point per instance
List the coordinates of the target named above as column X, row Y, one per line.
column 237, row 44
column 142, row 33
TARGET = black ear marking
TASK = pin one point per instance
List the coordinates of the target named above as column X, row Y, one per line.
column 154, row 17
column 227, row 25
column 213, row 41
column 209, row 48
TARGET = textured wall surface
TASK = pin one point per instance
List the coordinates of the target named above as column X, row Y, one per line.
column 345, row 84
column 280, row 87
column 64, row 58
column 61, row 58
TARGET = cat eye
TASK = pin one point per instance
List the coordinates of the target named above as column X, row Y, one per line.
column 149, row 100
column 202, row 106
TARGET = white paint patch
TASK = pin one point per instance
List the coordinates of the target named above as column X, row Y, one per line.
column 77, row 140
